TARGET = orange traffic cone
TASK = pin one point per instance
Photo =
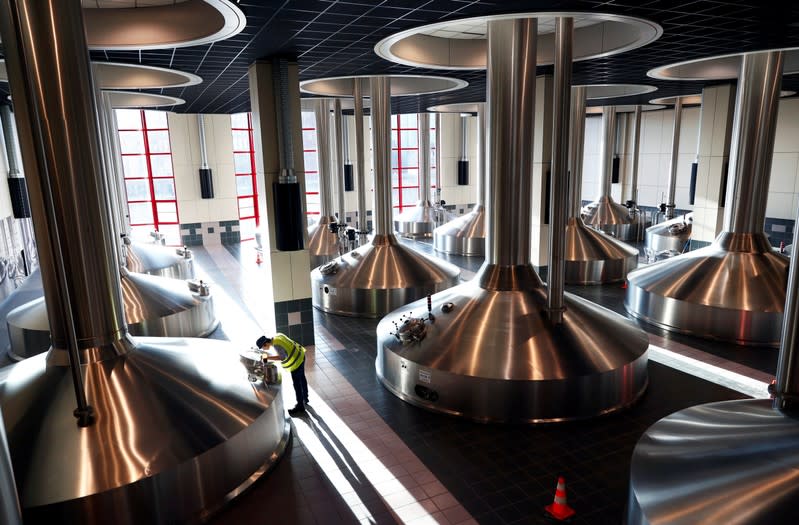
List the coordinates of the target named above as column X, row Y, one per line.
column 559, row 509
column 258, row 259
column 624, row 284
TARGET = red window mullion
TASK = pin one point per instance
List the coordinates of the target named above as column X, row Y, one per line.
column 149, row 169
column 252, row 165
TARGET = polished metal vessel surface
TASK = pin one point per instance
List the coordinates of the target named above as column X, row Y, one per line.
column 491, row 355
column 607, row 215
column 103, row 429
column 10, row 512
column 734, row 289
column 466, row 235
column 377, row 278
column 420, row 221
column 179, row 431
column 670, row 236
column 604, row 213
column 491, row 349
column 383, row 275
column 591, row 256
column 728, row 462
column 322, row 243
column 594, row 257
column 162, row 261
column 154, row 307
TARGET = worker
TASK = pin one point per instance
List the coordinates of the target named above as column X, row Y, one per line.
column 291, row 355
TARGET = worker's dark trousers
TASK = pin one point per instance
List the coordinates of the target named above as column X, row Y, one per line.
column 300, row 385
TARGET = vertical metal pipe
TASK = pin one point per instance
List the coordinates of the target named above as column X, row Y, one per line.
column 608, row 136
column 787, row 387
column 675, row 153
column 751, row 151
column 636, row 151
column 423, row 125
column 481, row 155
column 45, row 42
column 7, row 117
column 322, row 114
column 345, row 138
column 360, row 169
column 339, row 171
column 117, row 176
column 10, row 512
column 511, row 111
column 110, row 175
column 576, row 150
column 438, row 158
column 203, row 150
column 559, row 194
column 381, row 153
column 464, row 137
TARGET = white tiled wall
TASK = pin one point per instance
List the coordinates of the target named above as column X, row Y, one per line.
column 5, row 200
column 783, row 196
column 653, row 171
column 654, row 158
column 184, row 134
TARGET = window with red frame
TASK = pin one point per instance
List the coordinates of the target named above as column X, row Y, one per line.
column 405, row 160
column 312, row 200
column 149, row 179
column 244, row 169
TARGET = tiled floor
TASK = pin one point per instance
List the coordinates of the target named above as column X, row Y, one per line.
column 373, row 458
column 363, row 456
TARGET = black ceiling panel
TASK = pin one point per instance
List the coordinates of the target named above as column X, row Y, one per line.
column 335, row 38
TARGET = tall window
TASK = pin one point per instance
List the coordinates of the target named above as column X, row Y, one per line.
column 244, row 168
column 149, row 180
column 311, row 160
column 405, row 161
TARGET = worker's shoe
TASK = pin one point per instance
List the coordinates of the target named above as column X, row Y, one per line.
column 298, row 410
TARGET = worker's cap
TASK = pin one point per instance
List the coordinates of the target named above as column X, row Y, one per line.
column 262, row 341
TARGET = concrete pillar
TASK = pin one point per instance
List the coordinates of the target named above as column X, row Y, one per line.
column 542, row 163
column 288, row 271
column 715, row 131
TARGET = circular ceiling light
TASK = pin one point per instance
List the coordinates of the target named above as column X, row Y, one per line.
column 722, row 67
column 158, row 24
column 626, row 108
column 602, row 91
column 687, row 100
column 696, row 100
column 461, row 107
column 347, row 103
column 116, row 75
column 131, row 99
column 461, row 44
column 401, row 85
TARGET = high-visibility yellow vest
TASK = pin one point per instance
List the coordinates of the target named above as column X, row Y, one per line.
column 295, row 352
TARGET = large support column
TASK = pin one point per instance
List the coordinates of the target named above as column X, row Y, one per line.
column 360, row 162
column 715, row 133
column 291, row 288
